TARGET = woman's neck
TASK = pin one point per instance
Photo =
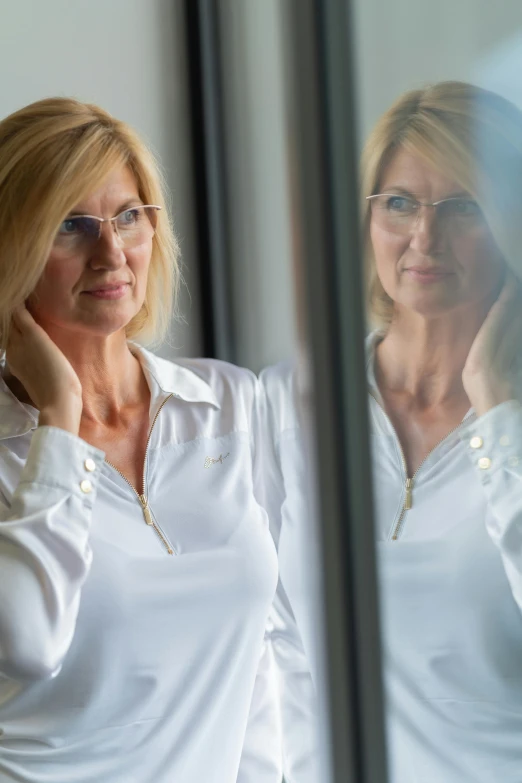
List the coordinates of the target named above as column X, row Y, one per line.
column 111, row 376
column 424, row 358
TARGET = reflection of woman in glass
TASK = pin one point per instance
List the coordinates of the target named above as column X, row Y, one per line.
column 442, row 174
column 134, row 589
column 442, row 180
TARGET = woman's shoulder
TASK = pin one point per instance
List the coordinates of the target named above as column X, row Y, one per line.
column 281, row 385
column 278, row 376
column 222, row 377
column 216, row 369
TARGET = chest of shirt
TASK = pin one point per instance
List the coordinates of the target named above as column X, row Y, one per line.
column 202, row 500
column 448, row 614
column 149, row 619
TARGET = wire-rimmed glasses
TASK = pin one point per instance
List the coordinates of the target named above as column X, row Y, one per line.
column 134, row 226
column 399, row 213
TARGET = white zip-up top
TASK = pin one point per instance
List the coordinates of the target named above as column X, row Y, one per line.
column 449, row 543
column 298, row 631
column 132, row 628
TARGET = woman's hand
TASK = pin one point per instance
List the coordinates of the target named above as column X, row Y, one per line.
column 45, row 373
column 489, row 375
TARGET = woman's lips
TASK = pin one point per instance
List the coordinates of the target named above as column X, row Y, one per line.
column 427, row 274
column 115, row 292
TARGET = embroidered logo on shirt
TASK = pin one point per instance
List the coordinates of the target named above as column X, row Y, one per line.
column 209, row 461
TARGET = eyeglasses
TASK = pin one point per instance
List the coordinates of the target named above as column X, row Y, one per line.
column 399, row 214
column 133, row 226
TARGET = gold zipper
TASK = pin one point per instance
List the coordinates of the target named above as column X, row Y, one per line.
column 408, row 497
column 147, row 514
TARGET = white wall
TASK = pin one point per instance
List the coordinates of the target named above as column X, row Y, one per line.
column 264, row 299
column 128, row 56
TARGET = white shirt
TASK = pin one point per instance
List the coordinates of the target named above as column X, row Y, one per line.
column 297, row 635
column 451, row 594
column 120, row 662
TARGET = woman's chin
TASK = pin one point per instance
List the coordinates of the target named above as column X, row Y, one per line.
column 429, row 305
column 103, row 324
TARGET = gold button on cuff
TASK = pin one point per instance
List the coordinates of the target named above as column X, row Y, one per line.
column 86, row 486
column 476, row 442
column 89, row 465
column 504, row 440
column 484, row 463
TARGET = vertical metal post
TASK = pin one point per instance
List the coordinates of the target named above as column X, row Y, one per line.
column 322, row 137
column 211, row 192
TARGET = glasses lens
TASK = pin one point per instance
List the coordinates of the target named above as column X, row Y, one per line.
column 396, row 213
column 136, row 225
column 459, row 211
column 75, row 232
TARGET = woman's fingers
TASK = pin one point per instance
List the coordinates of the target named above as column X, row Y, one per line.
column 507, row 298
column 489, row 372
column 509, row 350
column 507, row 307
column 22, row 316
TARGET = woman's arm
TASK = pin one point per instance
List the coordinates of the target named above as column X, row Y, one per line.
column 44, row 553
column 494, row 445
column 261, row 755
column 284, row 707
column 491, row 378
column 281, row 739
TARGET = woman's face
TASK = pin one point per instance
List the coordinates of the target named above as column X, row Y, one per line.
column 436, row 266
column 68, row 296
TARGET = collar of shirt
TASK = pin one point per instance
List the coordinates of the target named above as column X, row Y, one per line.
column 174, row 378
column 17, row 418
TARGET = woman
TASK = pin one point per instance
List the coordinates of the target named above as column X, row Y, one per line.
column 136, row 565
column 442, row 180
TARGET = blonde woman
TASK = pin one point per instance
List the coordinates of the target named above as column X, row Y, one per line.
column 442, row 182
column 136, row 565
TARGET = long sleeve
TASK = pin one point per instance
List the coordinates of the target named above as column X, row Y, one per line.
column 295, row 689
column 261, row 757
column 282, row 736
column 262, row 754
column 44, row 553
column 297, row 697
column 494, row 444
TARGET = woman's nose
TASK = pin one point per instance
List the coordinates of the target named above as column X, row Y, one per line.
column 426, row 234
column 107, row 251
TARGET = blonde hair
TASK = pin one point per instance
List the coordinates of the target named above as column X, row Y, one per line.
column 471, row 135
column 53, row 154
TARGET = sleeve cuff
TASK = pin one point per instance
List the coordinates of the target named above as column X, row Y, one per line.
column 494, row 440
column 58, row 458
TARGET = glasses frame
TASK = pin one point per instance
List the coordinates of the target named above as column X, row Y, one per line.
column 101, row 220
column 422, row 203
column 433, row 204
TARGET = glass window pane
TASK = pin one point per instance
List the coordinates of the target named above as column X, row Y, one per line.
column 439, row 117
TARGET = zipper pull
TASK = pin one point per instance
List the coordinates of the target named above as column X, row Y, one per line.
column 149, row 520
column 146, row 512
column 408, row 501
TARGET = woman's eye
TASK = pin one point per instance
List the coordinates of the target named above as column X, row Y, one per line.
column 466, row 207
column 400, row 204
column 129, row 217
column 69, row 226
